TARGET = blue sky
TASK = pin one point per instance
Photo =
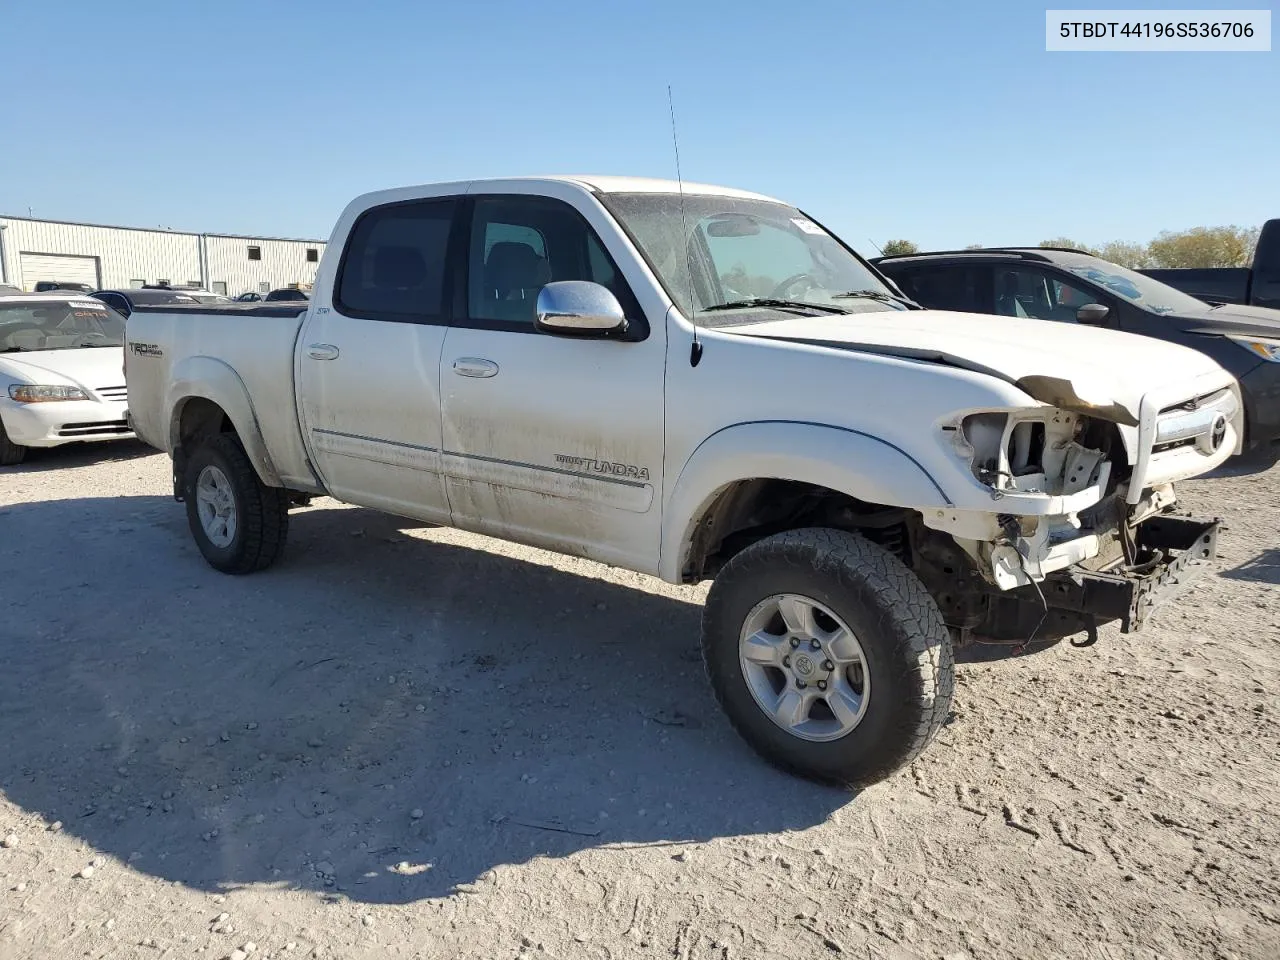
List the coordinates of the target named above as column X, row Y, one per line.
column 946, row 123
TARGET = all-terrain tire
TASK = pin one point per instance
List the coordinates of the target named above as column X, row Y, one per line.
column 11, row 453
column 262, row 512
column 906, row 646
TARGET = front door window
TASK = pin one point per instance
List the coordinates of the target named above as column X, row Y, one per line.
column 1029, row 292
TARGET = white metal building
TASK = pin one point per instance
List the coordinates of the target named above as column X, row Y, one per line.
column 117, row 257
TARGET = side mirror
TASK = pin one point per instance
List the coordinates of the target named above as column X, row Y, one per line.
column 1093, row 313
column 579, row 308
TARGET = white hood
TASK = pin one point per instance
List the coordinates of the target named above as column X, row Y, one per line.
column 90, row 367
column 1064, row 364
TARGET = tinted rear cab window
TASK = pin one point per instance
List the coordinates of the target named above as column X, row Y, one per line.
column 395, row 264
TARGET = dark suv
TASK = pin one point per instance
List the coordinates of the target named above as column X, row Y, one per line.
column 123, row 301
column 1073, row 287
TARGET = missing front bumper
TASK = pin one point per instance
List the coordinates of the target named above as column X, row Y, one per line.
column 1170, row 554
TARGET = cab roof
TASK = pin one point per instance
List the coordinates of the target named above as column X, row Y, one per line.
column 614, row 184
column 591, row 182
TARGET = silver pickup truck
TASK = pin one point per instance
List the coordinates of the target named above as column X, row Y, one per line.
column 703, row 383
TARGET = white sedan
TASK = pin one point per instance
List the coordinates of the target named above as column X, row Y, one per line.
column 61, row 373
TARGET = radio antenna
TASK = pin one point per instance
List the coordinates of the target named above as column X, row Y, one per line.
column 876, row 245
column 695, row 349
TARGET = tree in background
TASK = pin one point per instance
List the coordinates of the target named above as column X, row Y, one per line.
column 1204, row 247
column 899, row 248
column 1068, row 244
column 1135, row 256
column 1198, row 247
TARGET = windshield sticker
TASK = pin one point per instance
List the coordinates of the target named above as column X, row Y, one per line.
column 808, row 226
column 88, row 305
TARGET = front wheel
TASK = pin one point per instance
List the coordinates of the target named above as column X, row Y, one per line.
column 828, row 655
column 238, row 522
column 10, row 453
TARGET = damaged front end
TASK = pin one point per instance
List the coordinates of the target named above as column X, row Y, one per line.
column 1167, row 554
column 1066, row 545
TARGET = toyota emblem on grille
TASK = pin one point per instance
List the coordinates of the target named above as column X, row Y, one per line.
column 1219, row 432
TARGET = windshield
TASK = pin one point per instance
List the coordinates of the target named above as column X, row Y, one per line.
column 59, row 325
column 739, row 250
column 1135, row 287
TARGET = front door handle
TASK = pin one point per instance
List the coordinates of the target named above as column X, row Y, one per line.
column 322, row 351
column 475, row 367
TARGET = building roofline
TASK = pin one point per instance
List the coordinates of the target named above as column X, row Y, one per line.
column 171, row 233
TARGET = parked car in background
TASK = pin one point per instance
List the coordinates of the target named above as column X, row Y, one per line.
column 282, row 294
column 1074, row 287
column 124, row 301
column 61, row 373
column 1258, row 285
column 205, row 296
column 8, row 290
column 44, row 286
column 866, row 482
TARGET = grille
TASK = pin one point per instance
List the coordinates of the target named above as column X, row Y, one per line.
column 113, row 393
column 1198, row 423
column 1218, row 398
column 103, row 428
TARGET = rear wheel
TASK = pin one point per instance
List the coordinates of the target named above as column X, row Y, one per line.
column 828, row 655
column 10, row 453
column 238, row 522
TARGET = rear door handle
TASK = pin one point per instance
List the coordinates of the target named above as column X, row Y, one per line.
column 475, row 367
column 322, row 351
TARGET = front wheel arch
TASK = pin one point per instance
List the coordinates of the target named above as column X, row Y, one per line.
column 856, row 465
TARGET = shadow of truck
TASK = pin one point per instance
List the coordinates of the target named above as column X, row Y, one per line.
column 377, row 700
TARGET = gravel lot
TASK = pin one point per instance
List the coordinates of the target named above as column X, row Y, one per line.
column 412, row 742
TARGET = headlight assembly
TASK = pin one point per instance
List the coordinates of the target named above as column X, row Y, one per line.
column 28, row 393
column 1266, row 349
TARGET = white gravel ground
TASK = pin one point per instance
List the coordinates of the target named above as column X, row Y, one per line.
column 413, row 742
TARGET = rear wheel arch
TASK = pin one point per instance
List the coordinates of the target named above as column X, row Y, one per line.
column 207, row 399
column 195, row 421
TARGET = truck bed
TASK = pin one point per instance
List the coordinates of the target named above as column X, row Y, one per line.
column 1211, row 284
column 173, row 351
column 255, row 308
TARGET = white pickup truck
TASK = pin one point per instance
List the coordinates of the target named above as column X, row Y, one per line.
column 696, row 382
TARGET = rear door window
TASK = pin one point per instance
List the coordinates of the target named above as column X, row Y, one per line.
column 948, row 286
column 396, row 263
